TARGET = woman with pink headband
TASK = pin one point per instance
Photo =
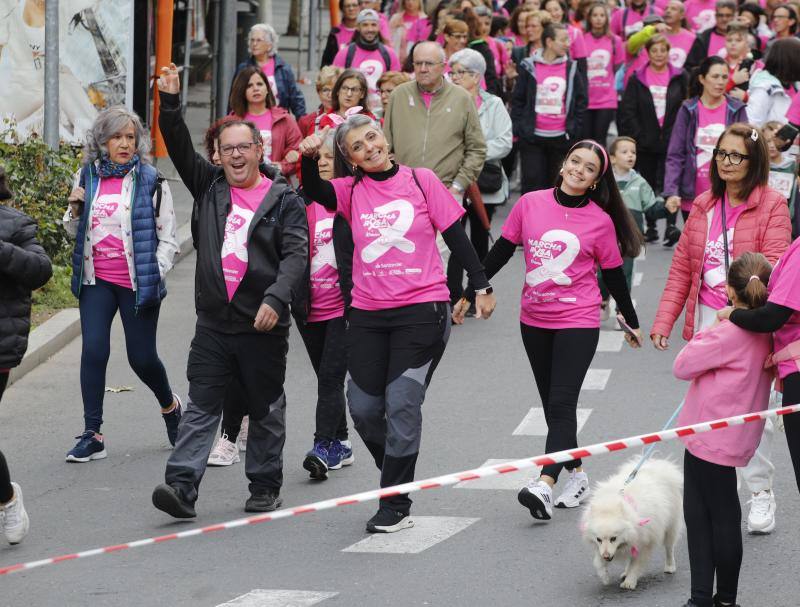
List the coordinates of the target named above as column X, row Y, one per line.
column 566, row 232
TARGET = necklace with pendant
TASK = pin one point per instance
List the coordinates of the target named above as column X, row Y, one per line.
column 566, row 208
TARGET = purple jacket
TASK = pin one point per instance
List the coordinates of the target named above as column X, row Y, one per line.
column 681, row 166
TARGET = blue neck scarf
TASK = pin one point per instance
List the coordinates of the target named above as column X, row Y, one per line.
column 109, row 169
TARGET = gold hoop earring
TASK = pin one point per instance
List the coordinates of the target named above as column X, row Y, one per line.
column 593, row 186
column 561, row 171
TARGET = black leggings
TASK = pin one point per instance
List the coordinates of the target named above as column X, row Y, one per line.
column 6, row 490
column 559, row 359
column 713, row 518
column 791, row 423
column 541, row 161
column 596, row 124
column 326, row 347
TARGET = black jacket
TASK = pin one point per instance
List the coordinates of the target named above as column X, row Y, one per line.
column 699, row 49
column 331, row 48
column 277, row 240
column 523, row 100
column 24, row 266
column 636, row 115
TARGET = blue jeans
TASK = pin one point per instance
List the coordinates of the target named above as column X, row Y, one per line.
column 98, row 305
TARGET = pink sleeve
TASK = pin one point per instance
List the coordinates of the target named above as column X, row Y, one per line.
column 785, row 291
column 793, row 115
column 343, row 187
column 384, row 30
column 394, row 63
column 619, row 52
column 443, row 209
column 703, row 353
column 606, row 248
column 616, row 22
column 512, row 228
column 577, row 47
column 340, row 58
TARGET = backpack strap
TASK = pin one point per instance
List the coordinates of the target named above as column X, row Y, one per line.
column 416, row 180
column 351, row 52
column 159, row 192
column 387, row 60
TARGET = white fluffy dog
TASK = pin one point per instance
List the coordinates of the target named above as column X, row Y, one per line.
column 629, row 524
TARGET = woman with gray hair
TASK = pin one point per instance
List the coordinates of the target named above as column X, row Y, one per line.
column 120, row 214
column 263, row 44
column 399, row 320
column 467, row 68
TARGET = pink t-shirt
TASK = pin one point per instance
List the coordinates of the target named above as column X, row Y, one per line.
column 269, row 71
column 633, row 23
column 108, row 250
column 372, row 65
column 263, row 123
column 396, row 262
column 784, row 290
column 417, row 27
column 680, row 45
column 344, row 36
column 710, row 125
column 604, row 53
column 562, row 249
column 326, row 296
column 427, row 98
column 658, row 82
column 244, row 204
column 577, row 48
column 551, row 95
column 700, row 15
column 712, row 287
column 716, row 45
column 793, row 114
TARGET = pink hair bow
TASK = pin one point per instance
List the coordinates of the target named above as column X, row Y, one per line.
column 338, row 120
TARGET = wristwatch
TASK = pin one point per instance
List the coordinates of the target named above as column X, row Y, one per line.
column 486, row 291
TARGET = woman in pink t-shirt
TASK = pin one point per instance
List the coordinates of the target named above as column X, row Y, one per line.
column 565, row 233
column 350, row 91
column 400, row 321
column 559, row 13
column 605, row 56
column 251, row 99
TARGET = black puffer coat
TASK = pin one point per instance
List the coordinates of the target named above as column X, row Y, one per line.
column 24, row 266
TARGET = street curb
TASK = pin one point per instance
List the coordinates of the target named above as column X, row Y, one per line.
column 51, row 336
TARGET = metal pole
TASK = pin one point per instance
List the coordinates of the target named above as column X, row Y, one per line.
column 300, row 38
column 215, row 19
column 187, row 56
column 313, row 35
column 227, row 55
column 265, row 11
column 51, row 60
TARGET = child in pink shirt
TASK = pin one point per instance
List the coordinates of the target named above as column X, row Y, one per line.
column 726, row 367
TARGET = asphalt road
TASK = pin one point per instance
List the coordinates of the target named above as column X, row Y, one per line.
column 483, row 549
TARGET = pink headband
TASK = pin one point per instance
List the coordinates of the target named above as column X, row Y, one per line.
column 603, row 153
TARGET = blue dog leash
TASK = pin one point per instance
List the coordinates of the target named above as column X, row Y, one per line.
column 650, row 448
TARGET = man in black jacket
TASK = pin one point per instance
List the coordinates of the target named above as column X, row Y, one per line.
column 252, row 251
column 711, row 41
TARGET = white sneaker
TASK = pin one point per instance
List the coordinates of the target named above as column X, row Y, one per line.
column 15, row 520
column 537, row 496
column 241, row 440
column 761, row 519
column 575, row 492
column 224, row 453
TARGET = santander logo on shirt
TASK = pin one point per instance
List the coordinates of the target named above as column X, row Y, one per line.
column 552, row 254
column 388, row 225
column 323, row 255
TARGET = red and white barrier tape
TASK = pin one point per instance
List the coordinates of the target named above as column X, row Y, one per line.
column 431, row 483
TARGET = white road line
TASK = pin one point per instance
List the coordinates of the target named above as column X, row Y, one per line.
column 596, row 379
column 535, row 425
column 511, row 481
column 279, row 598
column 610, row 341
column 426, row 532
column 637, row 278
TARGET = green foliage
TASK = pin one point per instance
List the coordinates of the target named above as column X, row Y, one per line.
column 41, row 181
column 56, row 294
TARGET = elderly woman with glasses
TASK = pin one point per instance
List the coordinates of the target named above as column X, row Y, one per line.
column 263, row 44
column 467, row 68
column 121, row 216
column 326, row 79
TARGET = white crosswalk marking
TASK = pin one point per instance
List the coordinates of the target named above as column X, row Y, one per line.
column 511, row 481
column 426, row 532
column 279, row 598
column 596, row 379
column 610, row 341
column 535, row 425
column 637, row 278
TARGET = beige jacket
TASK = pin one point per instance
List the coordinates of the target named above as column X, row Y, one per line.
column 447, row 138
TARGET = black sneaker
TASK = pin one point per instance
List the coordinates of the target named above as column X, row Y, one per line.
column 717, row 603
column 651, row 235
column 169, row 499
column 264, row 500
column 172, row 419
column 671, row 236
column 387, row 520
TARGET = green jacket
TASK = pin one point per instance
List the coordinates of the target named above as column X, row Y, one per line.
column 636, row 192
column 446, row 138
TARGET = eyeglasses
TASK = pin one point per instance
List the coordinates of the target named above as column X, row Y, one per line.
column 227, row 150
column 458, row 36
column 735, row 158
column 460, row 73
column 724, row 15
column 427, row 64
column 776, row 17
column 354, row 90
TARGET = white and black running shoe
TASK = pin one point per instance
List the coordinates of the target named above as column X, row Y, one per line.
column 387, row 520
column 537, row 496
column 575, row 492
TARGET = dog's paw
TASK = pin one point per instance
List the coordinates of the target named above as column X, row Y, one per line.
column 604, row 577
column 670, row 567
column 629, row 583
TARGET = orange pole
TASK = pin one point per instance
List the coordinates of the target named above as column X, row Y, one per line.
column 163, row 58
column 333, row 7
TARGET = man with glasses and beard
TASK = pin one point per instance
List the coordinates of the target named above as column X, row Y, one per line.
column 252, row 252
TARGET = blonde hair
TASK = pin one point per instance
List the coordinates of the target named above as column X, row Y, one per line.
column 327, row 74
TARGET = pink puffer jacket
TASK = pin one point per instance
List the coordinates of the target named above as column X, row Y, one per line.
column 763, row 227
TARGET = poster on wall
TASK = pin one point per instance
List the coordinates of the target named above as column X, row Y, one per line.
column 95, row 53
